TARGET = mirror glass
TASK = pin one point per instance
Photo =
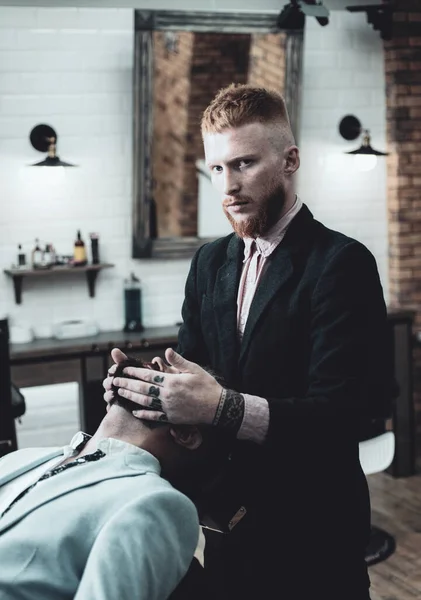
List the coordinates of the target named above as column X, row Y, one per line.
column 181, row 61
column 189, row 68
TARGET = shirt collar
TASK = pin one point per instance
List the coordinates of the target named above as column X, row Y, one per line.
column 266, row 244
column 78, row 441
column 109, row 446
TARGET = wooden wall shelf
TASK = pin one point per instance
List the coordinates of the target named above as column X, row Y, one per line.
column 91, row 274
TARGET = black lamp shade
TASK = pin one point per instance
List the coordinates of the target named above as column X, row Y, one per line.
column 41, row 138
column 367, row 149
column 52, row 161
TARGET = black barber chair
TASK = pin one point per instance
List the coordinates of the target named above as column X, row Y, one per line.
column 7, row 425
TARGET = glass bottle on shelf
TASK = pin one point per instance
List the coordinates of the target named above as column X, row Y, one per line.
column 133, row 304
column 79, row 251
column 21, row 258
column 47, row 260
column 37, row 256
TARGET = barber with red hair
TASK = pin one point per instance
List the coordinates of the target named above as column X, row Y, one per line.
column 291, row 316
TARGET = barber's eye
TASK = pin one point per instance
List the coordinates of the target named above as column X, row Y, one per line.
column 244, row 163
column 217, row 169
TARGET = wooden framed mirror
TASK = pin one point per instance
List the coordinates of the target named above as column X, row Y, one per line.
column 181, row 60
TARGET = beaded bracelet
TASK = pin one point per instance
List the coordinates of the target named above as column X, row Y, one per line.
column 220, row 407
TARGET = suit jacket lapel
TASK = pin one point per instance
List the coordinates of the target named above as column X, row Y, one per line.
column 120, row 465
column 16, row 463
column 278, row 272
column 225, row 303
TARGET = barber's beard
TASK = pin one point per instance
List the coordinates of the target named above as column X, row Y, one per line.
column 268, row 214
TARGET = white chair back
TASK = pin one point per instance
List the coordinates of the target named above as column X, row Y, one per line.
column 376, row 454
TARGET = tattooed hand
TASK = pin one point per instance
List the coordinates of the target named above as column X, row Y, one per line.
column 118, row 357
column 162, row 366
column 185, row 392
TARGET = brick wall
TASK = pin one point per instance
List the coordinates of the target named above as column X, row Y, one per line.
column 218, row 60
column 403, row 97
column 267, row 61
column 186, row 79
column 172, row 68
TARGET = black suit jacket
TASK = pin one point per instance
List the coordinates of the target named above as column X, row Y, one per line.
column 317, row 347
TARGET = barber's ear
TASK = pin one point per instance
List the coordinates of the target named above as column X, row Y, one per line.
column 292, row 160
column 187, row 436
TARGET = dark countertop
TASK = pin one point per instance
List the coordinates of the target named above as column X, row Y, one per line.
column 105, row 340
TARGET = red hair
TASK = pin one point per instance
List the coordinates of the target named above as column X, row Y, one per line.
column 241, row 104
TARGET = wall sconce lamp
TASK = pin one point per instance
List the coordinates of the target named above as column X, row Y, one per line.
column 350, row 128
column 44, row 139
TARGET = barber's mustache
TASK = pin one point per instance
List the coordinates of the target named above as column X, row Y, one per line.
column 232, row 200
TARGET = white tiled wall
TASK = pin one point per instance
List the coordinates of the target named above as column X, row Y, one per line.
column 72, row 68
column 343, row 74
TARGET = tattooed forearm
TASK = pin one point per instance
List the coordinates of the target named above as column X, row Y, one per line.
column 230, row 412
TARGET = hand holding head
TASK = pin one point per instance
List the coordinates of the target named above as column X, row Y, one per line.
column 181, row 364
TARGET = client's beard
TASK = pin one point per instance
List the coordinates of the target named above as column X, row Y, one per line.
column 266, row 217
